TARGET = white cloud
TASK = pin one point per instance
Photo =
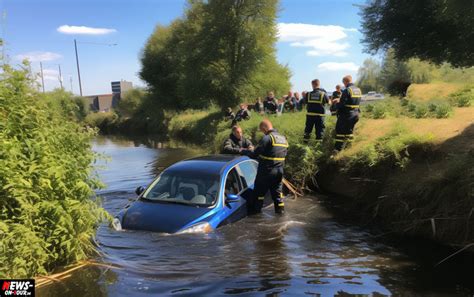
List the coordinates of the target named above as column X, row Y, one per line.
column 323, row 40
column 66, row 29
column 335, row 66
column 38, row 56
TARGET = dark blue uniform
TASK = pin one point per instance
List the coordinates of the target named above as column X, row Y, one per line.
column 348, row 115
column 335, row 95
column 315, row 114
column 270, row 153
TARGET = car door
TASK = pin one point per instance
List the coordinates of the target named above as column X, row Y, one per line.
column 235, row 210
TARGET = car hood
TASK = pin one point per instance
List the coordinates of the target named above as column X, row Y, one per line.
column 160, row 217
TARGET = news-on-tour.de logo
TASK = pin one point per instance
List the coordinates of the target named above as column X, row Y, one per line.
column 17, row 287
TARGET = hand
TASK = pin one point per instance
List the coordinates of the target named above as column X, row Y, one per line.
column 335, row 101
column 251, row 148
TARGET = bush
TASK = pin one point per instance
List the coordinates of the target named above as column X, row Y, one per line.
column 421, row 111
column 104, row 121
column 463, row 98
column 47, row 216
column 379, row 112
column 130, row 102
column 74, row 108
column 443, row 110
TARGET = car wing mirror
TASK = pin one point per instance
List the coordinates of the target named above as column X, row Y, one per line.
column 232, row 198
column 139, row 190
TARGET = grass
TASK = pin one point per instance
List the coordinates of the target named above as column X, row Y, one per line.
column 435, row 90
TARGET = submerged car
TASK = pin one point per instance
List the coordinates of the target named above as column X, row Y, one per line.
column 193, row 196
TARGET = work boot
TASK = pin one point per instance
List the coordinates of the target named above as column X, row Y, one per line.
column 279, row 208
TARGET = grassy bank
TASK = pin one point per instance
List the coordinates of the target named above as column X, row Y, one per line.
column 411, row 174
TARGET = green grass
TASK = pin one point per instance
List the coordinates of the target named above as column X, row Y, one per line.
column 392, row 147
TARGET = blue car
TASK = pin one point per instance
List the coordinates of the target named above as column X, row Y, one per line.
column 193, row 196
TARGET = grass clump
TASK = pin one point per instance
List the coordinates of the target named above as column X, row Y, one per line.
column 47, row 216
column 463, row 98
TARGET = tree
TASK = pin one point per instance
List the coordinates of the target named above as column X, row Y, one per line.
column 369, row 76
column 213, row 54
column 433, row 30
column 394, row 75
column 131, row 102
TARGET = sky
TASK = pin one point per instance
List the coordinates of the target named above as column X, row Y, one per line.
column 317, row 39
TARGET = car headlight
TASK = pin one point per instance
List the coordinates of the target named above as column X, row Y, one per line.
column 198, row 228
column 116, row 224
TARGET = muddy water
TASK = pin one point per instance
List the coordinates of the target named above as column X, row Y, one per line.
column 306, row 252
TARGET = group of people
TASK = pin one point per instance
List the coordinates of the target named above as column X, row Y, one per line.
column 271, row 105
column 272, row 149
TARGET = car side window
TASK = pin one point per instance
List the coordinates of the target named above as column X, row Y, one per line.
column 232, row 183
column 248, row 170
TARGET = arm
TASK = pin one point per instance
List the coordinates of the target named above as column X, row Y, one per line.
column 228, row 148
column 260, row 148
column 325, row 98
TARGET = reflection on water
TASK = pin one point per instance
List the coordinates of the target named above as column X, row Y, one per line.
column 306, row 252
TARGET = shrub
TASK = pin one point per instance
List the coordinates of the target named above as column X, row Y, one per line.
column 379, row 112
column 443, row 110
column 463, row 98
column 47, row 216
column 102, row 120
column 421, row 111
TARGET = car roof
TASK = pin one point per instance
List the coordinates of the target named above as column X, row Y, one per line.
column 209, row 164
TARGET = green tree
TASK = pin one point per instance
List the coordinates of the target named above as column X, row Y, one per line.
column 130, row 102
column 236, row 36
column 394, row 75
column 369, row 76
column 433, row 30
column 214, row 54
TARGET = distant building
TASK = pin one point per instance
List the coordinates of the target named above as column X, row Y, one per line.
column 103, row 102
column 108, row 101
column 121, row 86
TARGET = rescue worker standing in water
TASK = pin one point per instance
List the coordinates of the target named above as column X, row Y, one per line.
column 315, row 114
column 270, row 153
column 348, row 113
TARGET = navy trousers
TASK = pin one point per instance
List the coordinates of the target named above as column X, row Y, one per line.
column 268, row 181
column 318, row 123
column 345, row 128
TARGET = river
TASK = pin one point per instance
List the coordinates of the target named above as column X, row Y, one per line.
column 309, row 251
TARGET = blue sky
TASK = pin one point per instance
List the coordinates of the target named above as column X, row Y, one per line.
column 318, row 39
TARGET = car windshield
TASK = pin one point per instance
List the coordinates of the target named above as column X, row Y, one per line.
column 182, row 188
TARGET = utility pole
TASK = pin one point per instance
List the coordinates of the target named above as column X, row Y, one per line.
column 78, row 71
column 42, row 76
column 70, row 81
column 60, row 77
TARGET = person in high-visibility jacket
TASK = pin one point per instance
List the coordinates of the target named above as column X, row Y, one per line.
column 270, row 153
column 315, row 112
column 348, row 113
column 335, row 95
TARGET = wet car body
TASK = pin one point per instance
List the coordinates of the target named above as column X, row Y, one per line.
column 194, row 195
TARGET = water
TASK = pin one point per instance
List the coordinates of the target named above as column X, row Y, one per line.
column 307, row 252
